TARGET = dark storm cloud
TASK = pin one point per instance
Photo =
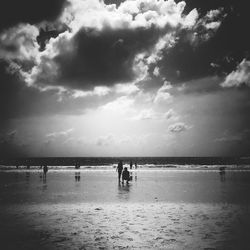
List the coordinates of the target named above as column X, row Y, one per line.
column 104, row 58
column 226, row 49
column 98, row 44
column 13, row 12
column 17, row 101
column 117, row 2
column 100, row 47
column 9, row 89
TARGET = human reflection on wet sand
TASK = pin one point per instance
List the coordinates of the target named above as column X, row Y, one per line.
column 123, row 191
column 27, row 179
column 77, row 176
column 222, row 172
column 45, row 186
column 135, row 173
column 27, row 176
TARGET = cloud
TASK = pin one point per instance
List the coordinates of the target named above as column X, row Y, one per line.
column 169, row 114
column 238, row 77
column 229, row 138
column 105, row 140
column 121, row 104
column 97, row 91
column 150, row 114
column 13, row 12
column 59, row 134
column 162, row 94
column 156, row 71
column 126, row 88
column 103, row 45
column 146, row 114
column 19, row 43
column 8, row 137
column 178, row 127
column 206, row 27
column 10, row 146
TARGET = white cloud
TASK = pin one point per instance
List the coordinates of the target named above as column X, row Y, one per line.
column 156, row 71
column 126, row 88
column 162, row 94
column 97, row 91
column 129, row 14
column 150, row 114
column 122, row 104
column 146, row 114
column 178, row 127
column 19, row 43
column 60, row 134
column 206, row 27
column 238, row 77
column 169, row 114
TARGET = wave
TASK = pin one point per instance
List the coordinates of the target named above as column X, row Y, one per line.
column 139, row 167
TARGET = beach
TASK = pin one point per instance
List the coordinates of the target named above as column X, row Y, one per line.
column 159, row 209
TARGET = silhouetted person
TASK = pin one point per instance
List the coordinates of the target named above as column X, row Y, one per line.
column 45, row 170
column 119, row 169
column 222, row 173
column 77, row 165
column 131, row 164
column 125, row 175
column 135, row 165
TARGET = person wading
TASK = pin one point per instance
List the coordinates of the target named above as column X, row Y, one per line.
column 119, row 169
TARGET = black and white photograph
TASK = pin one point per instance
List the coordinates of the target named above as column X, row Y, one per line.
column 124, row 124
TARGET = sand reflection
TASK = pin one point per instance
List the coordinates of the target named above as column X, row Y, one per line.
column 123, row 191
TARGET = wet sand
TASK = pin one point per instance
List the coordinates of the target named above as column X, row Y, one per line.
column 157, row 210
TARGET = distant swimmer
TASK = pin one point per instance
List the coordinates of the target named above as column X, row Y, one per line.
column 119, row 169
column 45, row 170
column 222, row 173
column 77, row 166
column 131, row 164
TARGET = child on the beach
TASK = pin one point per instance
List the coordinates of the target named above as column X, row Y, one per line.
column 125, row 175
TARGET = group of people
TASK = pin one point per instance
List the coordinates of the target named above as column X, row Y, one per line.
column 123, row 172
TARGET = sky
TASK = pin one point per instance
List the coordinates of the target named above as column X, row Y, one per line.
column 124, row 78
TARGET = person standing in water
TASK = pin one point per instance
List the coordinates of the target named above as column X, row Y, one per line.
column 125, row 175
column 119, row 169
column 45, row 170
column 131, row 164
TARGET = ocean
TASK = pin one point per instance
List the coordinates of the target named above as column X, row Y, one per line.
column 141, row 162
